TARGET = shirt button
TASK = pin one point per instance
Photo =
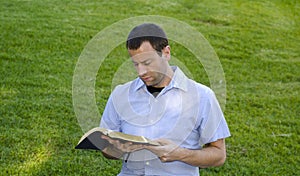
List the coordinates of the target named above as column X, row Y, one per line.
column 147, row 163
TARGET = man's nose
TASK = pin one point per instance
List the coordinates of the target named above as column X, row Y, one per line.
column 141, row 70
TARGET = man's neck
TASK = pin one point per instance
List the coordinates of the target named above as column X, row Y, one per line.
column 154, row 90
column 168, row 77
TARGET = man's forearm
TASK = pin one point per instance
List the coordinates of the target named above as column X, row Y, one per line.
column 207, row 157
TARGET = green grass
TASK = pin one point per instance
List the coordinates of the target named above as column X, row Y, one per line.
column 257, row 42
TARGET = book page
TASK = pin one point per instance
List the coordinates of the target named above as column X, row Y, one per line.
column 127, row 137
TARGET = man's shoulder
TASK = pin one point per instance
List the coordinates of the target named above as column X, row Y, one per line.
column 124, row 85
column 189, row 84
column 200, row 87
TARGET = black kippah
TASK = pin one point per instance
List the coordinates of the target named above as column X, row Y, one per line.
column 147, row 30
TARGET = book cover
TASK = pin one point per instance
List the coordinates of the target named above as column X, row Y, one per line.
column 92, row 139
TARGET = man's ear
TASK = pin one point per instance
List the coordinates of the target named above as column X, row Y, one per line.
column 166, row 53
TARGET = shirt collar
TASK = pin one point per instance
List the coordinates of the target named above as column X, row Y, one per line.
column 179, row 80
column 138, row 84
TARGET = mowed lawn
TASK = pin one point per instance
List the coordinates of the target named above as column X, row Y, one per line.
column 257, row 42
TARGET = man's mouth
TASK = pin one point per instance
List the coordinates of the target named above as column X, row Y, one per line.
column 146, row 79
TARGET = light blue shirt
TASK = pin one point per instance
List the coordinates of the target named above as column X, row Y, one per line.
column 185, row 112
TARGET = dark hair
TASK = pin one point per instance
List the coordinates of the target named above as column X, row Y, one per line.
column 147, row 32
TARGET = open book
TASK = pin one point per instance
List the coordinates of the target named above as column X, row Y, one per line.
column 92, row 139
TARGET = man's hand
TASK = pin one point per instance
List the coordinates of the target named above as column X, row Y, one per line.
column 167, row 151
column 117, row 149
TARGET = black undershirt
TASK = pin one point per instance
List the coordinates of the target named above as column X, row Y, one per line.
column 154, row 90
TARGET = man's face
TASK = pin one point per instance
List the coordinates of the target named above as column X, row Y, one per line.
column 150, row 66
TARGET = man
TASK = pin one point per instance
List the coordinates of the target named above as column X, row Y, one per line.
column 162, row 104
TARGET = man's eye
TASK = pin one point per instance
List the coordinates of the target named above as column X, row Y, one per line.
column 147, row 63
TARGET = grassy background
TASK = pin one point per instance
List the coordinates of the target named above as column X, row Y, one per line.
column 257, row 42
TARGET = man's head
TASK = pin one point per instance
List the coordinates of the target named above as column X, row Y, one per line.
column 149, row 50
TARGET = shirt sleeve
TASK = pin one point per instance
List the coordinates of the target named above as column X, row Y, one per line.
column 213, row 125
column 110, row 118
